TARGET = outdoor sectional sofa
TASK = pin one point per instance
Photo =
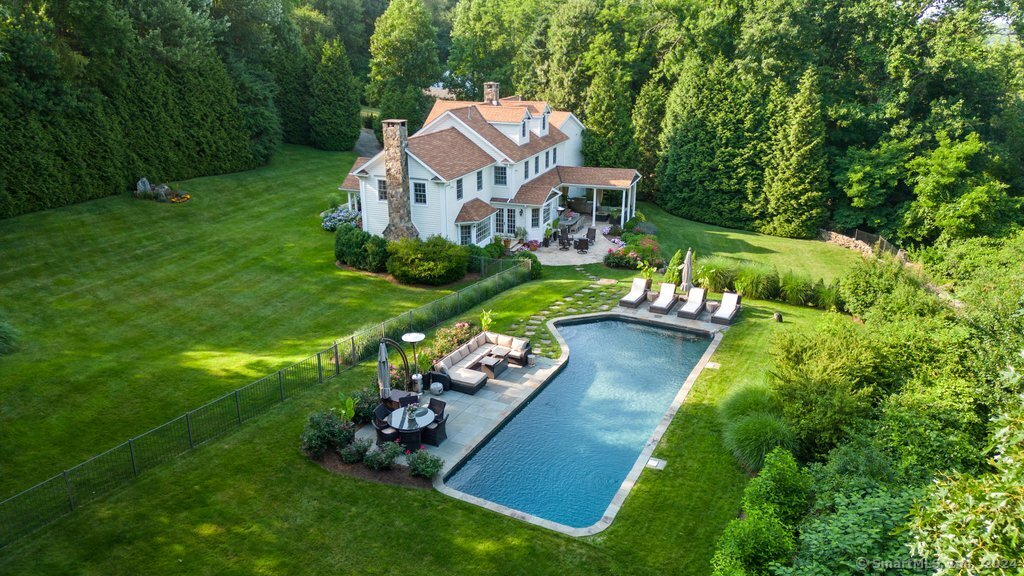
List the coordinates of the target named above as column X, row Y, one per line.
column 458, row 365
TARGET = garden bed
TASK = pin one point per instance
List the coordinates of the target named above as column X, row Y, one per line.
column 398, row 475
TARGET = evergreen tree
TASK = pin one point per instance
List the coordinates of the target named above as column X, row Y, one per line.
column 569, row 36
column 482, row 47
column 403, row 61
column 796, row 184
column 608, row 139
column 648, row 114
column 336, row 120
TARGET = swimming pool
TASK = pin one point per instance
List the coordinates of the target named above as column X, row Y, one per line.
column 566, row 453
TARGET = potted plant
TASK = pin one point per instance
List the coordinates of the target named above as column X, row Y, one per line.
column 647, row 272
column 521, row 233
column 533, row 245
column 547, row 236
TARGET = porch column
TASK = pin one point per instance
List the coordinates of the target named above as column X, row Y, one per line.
column 632, row 200
column 593, row 215
column 622, row 212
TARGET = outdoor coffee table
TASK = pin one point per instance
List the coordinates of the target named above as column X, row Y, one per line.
column 499, row 351
column 398, row 421
column 492, row 365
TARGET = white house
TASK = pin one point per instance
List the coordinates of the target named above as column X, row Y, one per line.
column 480, row 169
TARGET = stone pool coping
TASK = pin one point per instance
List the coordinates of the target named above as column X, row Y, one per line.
column 644, row 317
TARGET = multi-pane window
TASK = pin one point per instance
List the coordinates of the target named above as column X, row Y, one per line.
column 526, row 170
column 523, row 129
column 479, row 180
column 458, row 189
column 382, row 189
column 554, row 155
column 547, row 213
column 499, row 221
column 544, row 122
column 547, row 158
column 500, row 176
column 465, row 235
column 419, row 192
column 535, row 218
column 483, row 230
column 510, row 220
column 536, row 164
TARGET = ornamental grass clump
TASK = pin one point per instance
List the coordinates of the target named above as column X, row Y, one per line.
column 796, row 290
column 747, row 400
column 716, row 274
column 757, row 281
column 752, row 437
column 826, row 296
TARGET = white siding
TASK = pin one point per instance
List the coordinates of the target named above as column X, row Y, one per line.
column 570, row 152
column 375, row 212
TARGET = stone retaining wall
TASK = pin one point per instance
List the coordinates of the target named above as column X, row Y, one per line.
column 846, row 242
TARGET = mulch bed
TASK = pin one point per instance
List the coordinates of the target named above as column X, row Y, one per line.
column 398, row 476
column 472, row 277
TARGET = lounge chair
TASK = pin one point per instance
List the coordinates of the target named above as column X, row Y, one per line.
column 728, row 310
column 637, row 294
column 666, row 299
column 695, row 301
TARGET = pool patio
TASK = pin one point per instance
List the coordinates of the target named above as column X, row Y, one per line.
column 472, row 419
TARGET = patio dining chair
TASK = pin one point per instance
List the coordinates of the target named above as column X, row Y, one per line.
column 592, row 234
column 564, row 241
column 380, row 415
column 584, row 246
column 438, row 407
column 409, row 399
column 435, row 432
column 385, row 433
column 410, row 439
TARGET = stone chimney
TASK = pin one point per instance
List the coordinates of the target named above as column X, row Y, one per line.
column 491, row 93
column 396, row 169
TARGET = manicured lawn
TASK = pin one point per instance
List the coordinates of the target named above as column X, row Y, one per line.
column 808, row 257
column 250, row 503
column 131, row 312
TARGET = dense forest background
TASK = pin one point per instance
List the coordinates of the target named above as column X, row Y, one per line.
column 783, row 116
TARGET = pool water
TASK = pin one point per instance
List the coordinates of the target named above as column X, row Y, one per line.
column 565, row 454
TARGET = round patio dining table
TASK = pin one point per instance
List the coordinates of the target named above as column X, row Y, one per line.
column 423, row 418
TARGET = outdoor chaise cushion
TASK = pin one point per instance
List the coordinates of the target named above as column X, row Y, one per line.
column 694, row 303
column 637, row 294
column 666, row 299
column 728, row 310
column 467, row 381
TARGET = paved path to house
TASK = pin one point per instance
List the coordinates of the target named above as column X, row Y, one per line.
column 552, row 256
column 367, row 144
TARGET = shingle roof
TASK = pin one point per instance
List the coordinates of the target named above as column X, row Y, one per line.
column 558, row 117
column 474, row 210
column 351, row 184
column 359, row 164
column 449, row 153
column 600, row 177
column 535, row 106
column 496, row 138
column 536, row 191
column 442, row 106
column 508, row 114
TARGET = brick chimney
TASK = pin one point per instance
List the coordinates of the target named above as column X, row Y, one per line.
column 396, row 169
column 491, row 93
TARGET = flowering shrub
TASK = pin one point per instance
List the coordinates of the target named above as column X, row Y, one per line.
column 639, row 248
column 621, row 258
column 448, row 339
column 326, row 430
column 384, row 457
column 338, row 216
column 356, row 451
column 423, row 463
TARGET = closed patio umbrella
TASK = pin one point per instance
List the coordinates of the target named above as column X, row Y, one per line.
column 383, row 372
column 686, row 272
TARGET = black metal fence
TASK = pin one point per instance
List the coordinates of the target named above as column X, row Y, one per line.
column 65, row 492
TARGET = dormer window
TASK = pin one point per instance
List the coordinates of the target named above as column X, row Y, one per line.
column 523, row 130
column 544, row 122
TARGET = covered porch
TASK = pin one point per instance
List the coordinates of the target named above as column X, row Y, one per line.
column 596, row 182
